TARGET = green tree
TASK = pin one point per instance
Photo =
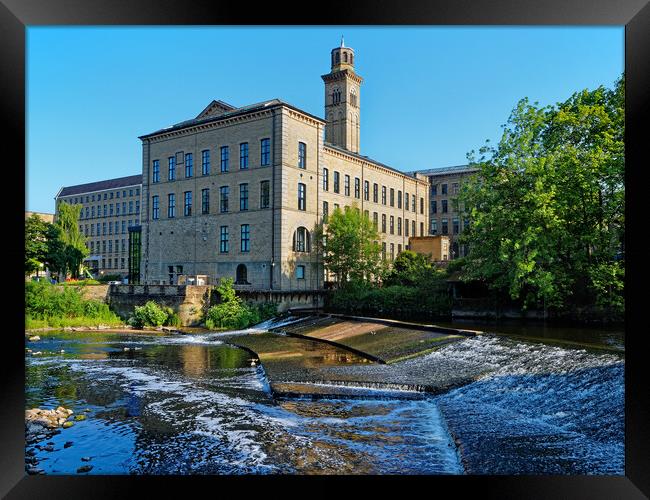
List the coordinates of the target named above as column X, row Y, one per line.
column 409, row 269
column 55, row 258
column 35, row 244
column 547, row 206
column 73, row 240
column 349, row 246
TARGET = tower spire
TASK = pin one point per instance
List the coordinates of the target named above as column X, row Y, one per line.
column 342, row 41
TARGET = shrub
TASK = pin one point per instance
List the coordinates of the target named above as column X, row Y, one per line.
column 173, row 319
column 233, row 313
column 150, row 314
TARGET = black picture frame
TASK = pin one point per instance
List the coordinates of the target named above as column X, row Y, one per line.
column 16, row 15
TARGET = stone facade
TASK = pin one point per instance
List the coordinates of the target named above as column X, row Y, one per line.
column 264, row 241
column 108, row 209
column 435, row 246
column 445, row 213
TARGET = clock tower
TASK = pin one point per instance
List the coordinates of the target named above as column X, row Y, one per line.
column 342, row 100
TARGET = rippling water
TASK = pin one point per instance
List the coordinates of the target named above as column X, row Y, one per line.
column 192, row 404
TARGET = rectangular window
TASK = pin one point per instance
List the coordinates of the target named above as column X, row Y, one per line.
column 265, row 152
column 137, row 191
column 224, row 245
column 92, row 230
column 422, row 205
column 105, row 210
column 406, row 201
column 392, row 251
column 137, row 206
column 98, row 229
column 413, row 207
column 383, row 223
column 130, row 207
column 243, row 156
column 399, row 199
column 123, row 207
column 187, row 206
column 104, row 228
column 155, row 209
column 455, row 225
column 104, row 247
column 325, row 211
column 392, row 225
column 337, row 188
column 434, row 207
column 302, row 155
column 189, row 165
column 92, row 212
column 155, row 174
column 124, row 222
column 110, row 248
column 225, row 154
column 375, row 192
column 421, row 228
column 434, row 189
column 444, row 189
column 245, row 238
column 171, row 206
column 105, row 195
column 454, row 188
column 399, row 248
column 300, row 272
column 243, row 197
column 326, row 180
column 445, row 227
column 171, row 175
column 383, row 250
column 302, row 196
column 413, row 228
column 205, row 162
column 392, row 197
column 399, row 226
column 205, row 201
column 383, row 195
column 346, row 185
column 357, row 187
column 224, row 192
column 434, row 226
column 406, row 227
column 117, row 209
column 265, row 194
column 375, row 221
column 366, row 190
column 444, row 206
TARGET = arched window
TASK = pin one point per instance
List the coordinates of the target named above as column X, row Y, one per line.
column 351, row 58
column 338, row 57
column 301, row 240
column 345, row 57
column 353, row 97
column 242, row 275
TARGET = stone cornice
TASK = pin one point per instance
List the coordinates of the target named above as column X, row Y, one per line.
column 337, row 75
column 302, row 117
column 226, row 122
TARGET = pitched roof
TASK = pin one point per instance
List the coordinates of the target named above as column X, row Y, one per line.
column 131, row 180
column 251, row 108
column 369, row 160
column 446, row 170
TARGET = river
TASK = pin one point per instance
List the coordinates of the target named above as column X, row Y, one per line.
column 193, row 404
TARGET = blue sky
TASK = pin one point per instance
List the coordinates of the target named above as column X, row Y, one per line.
column 430, row 94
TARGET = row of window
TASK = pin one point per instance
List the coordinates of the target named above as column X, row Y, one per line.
column 443, row 189
column 444, row 206
column 224, row 160
column 224, row 200
column 110, row 210
column 444, row 226
column 108, row 264
column 104, row 248
column 107, row 196
column 392, row 250
column 103, row 228
column 375, row 220
column 244, row 239
column 375, row 191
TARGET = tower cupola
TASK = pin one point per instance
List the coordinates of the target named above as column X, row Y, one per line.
column 342, row 57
